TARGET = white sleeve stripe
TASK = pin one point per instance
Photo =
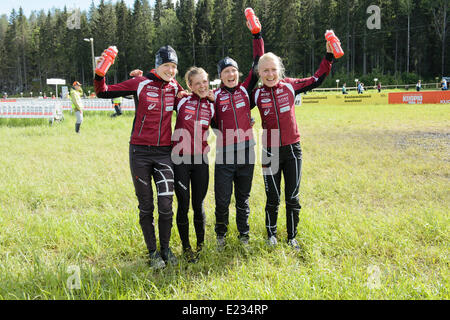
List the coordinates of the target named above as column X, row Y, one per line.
column 182, row 101
column 212, row 109
column 245, row 90
column 256, row 96
column 291, row 88
column 216, row 93
column 141, row 86
column 175, row 86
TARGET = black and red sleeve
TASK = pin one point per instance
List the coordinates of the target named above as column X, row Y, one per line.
column 306, row 84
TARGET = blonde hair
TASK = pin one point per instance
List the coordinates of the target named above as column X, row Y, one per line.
column 193, row 71
column 274, row 58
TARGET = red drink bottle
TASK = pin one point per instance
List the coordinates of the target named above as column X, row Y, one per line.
column 335, row 43
column 253, row 20
column 109, row 55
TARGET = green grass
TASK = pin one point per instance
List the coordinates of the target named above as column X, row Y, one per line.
column 374, row 222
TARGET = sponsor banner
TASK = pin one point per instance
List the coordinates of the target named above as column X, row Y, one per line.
column 431, row 97
column 344, row 99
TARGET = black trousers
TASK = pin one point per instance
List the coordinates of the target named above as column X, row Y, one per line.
column 118, row 109
column 189, row 177
column 147, row 162
column 286, row 160
column 240, row 175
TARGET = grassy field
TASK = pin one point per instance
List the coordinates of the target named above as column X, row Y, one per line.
column 374, row 223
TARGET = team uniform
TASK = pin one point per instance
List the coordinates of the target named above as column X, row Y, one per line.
column 281, row 144
column 150, row 149
column 189, row 154
column 235, row 146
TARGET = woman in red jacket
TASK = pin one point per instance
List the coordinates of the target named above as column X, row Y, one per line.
column 190, row 156
column 281, row 139
column 150, row 146
column 235, row 144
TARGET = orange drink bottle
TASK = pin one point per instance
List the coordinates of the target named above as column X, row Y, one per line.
column 253, row 20
column 109, row 55
column 335, row 43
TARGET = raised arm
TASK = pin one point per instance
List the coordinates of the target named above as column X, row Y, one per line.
column 306, row 84
column 258, row 50
column 128, row 87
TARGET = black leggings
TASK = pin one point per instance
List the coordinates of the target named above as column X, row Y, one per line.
column 198, row 176
column 286, row 160
column 147, row 162
column 227, row 175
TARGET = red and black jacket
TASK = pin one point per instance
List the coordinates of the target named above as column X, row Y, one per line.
column 154, row 100
column 277, row 109
column 232, row 105
column 194, row 116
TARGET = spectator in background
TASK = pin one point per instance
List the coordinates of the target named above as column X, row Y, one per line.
column 344, row 89
column 77, row 104
column 418, row 85
column 444, row 84
column 379, row 86
column 117, row 101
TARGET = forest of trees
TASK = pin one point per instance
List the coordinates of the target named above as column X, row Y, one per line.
column 411, row 43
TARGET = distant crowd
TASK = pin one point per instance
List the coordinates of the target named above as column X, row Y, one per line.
column 360, row 86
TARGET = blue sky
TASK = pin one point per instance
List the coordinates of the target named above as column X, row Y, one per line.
column 29, row 5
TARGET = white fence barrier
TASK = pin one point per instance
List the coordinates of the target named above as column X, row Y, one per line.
column 32, row 109
column 99, row 104
column 52, row 109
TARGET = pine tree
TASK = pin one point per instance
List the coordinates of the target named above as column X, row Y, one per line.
column 203, row 32
column 186, row 16
column 157, row 13
column 220, row 36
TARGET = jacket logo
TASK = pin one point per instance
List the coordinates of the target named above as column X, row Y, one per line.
column 266, row 112
column 265, row 100
column 240, row 105
column 151, row 106
column 279, row 91
column 285, row 109
column 224, row 108
column 189, row 116
column 223, row 98
column 152, row 94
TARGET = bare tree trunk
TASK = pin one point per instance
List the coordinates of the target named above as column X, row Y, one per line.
column 364, row 53
column 353, row 50
column 444, row 25
column 396, row 53
column 348, row 39
column 222, row 36
column 407, row 49
column 193, row 49
column 24, row 66
column 441, row 33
